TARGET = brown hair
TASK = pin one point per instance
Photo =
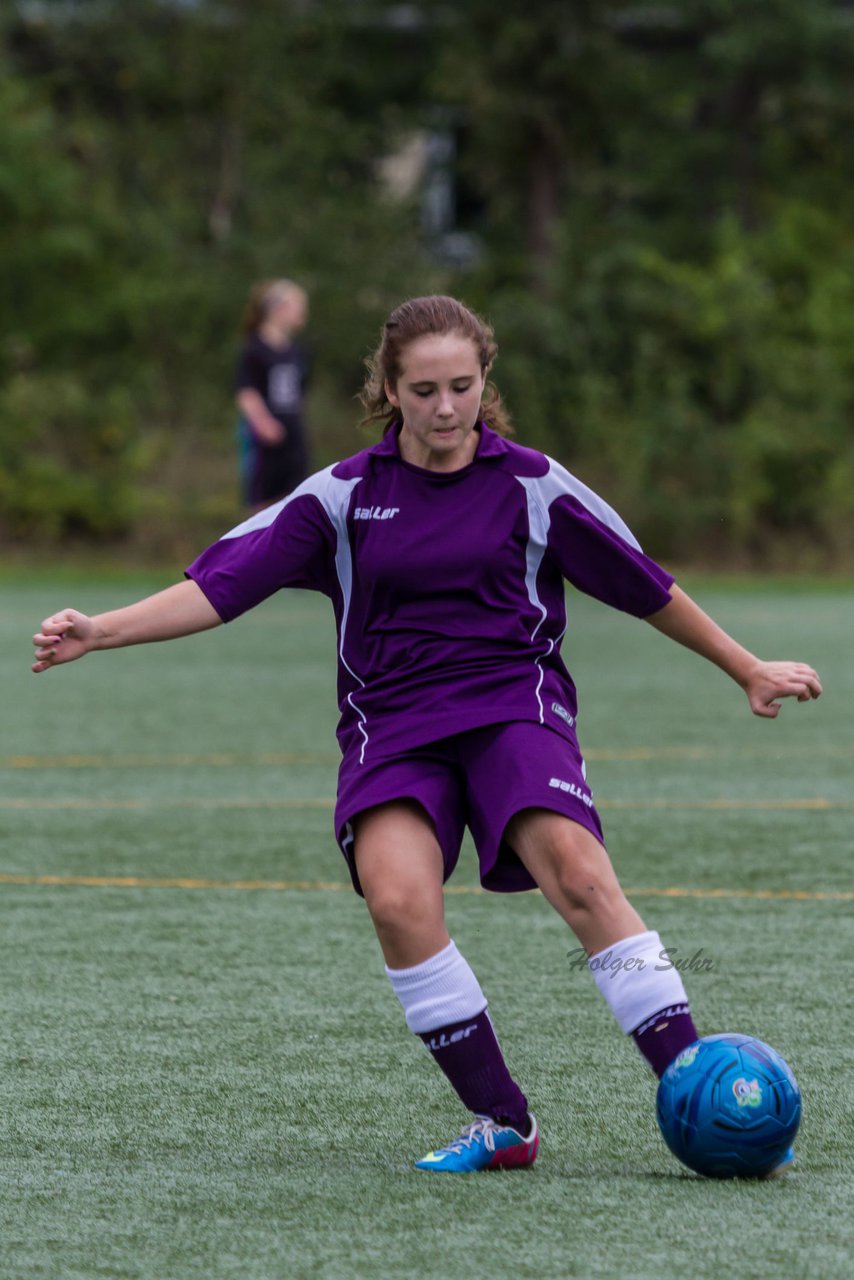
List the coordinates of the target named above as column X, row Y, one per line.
column 416, row 319
column 262, row 296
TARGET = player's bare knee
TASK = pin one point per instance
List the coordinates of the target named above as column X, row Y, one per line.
column 394, row 907
column 586, row 886
column 585, row 895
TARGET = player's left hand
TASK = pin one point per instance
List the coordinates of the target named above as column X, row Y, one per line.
column 769, row 681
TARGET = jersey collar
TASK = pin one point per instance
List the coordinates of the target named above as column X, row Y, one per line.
column 490, row 444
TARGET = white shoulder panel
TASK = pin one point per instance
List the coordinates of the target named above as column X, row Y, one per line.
column 558, row 482
column 332, row 494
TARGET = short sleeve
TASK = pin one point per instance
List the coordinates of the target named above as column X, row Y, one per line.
column 251, row 371
column 599, row 561
column 291, row 544
column 592, row 546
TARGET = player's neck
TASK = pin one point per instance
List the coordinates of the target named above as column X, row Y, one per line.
column 419, row 453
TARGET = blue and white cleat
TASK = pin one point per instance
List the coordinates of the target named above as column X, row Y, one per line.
column 484, row 1144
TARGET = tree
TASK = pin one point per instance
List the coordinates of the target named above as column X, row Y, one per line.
column 662, row 196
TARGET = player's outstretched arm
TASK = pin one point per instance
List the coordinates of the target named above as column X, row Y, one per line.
column 180, row 610
column 764, row 682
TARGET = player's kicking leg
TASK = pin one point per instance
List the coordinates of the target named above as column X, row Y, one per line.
column 629, row 962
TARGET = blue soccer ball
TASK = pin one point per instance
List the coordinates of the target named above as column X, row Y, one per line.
column 729, row 1107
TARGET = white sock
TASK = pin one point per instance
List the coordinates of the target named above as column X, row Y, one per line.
column 637, row 979
column 438, row 991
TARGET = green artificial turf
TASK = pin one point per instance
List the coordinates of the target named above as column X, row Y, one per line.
column 216, row 1083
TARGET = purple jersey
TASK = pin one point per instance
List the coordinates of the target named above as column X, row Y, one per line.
column 448, row 587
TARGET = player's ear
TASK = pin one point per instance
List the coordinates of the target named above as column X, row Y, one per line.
column 391, row 394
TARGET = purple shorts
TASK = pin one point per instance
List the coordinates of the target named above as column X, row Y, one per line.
column 480, row 779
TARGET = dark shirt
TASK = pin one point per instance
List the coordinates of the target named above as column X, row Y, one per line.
column 278, row 374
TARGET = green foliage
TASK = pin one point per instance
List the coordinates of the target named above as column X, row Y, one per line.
column 66, row 444
column 67, row 458
column 727, row 416
column 662, row 198
column 674, row 305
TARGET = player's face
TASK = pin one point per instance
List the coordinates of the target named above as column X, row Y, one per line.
column 289, row 313
column 438, row 394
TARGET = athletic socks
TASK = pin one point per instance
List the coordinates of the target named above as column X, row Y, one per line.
column 438, row 991
column 646, row 996
column 445, row 1006
column 469, row 1054
column 665, row 1035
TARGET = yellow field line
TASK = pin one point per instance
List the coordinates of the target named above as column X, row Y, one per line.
column 84, row 803
column 777, row 895
column 181, row 759
column 178, row 882
column 335, row 886
column 223, row 759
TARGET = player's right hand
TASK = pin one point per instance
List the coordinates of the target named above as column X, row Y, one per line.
column 64, row 636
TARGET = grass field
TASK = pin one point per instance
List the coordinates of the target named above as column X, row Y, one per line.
column 205, row 1075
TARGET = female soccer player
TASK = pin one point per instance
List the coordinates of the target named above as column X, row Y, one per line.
column 444, row 550
column 270, row 382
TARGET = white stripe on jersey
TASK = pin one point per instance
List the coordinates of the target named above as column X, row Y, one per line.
column 344, row 569
column 558, row 482
column 333, row 495
column 541, row 492
column 538, row 532
column 323, row 486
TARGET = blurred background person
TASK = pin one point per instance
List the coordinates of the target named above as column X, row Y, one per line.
column 270, row 382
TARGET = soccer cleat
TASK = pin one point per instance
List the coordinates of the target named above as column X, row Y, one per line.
column 484, row 1144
